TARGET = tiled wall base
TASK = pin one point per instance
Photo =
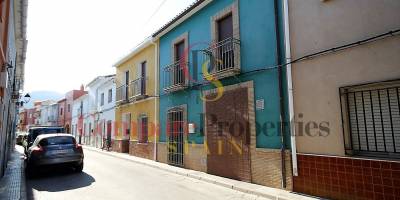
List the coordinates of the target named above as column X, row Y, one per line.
column 144, row 150
column 266, row 168
column 347, row 178
column 162, row 152
column 121, row 146
column 195, row 157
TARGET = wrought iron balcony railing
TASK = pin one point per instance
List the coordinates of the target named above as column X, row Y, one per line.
column 137, row 88
column 224, row 58
column 122, row 94
column 175, row 76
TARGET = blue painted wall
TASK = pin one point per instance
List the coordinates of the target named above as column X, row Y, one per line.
column 258, row 50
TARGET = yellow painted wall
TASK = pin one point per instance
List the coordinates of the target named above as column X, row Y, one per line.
column 147, row 54
column 148, row 106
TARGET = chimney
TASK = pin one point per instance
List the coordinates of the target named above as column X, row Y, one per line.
column 82, row 88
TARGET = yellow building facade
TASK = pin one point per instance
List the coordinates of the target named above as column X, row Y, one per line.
column 137, row 106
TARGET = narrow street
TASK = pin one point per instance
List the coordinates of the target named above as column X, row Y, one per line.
column 107, row 177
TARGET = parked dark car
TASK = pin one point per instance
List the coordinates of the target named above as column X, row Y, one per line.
column 33, row 132
column 52, row 149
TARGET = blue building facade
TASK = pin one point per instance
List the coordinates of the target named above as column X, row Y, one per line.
column 221, row 92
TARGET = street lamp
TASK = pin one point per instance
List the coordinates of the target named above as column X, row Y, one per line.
column 26, row 99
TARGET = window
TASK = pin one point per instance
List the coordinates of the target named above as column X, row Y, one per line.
column 109, row 95
column 57, row 140
column 371, row 116
column 61, row 111
column 69, row 107
column 143, row 129
column 102, row 99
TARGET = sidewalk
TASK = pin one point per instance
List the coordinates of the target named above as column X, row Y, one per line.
column 12, row 185
column 249, row 188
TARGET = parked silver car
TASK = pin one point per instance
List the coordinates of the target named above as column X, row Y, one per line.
column 51, row 149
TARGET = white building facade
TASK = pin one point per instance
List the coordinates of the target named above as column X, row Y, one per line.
column 45, row 112
column 106, row 110
column 53, row 114
column 96, row 122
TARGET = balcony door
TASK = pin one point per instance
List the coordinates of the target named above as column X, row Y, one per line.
column 142, row 76
column 126, row 90
column 179, row 63
column 225, row 54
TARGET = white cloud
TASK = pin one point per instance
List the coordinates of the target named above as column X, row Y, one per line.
column 72, row 41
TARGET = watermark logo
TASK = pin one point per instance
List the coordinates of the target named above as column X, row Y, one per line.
column 208, row 64
column 218, row 84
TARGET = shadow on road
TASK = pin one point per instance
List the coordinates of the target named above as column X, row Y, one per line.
column 56, row 179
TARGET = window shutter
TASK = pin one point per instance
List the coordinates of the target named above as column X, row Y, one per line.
column 374, row 120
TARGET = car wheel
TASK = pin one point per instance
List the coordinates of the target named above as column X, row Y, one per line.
column 79, row 167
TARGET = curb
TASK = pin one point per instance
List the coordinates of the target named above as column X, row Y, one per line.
column 272, row 193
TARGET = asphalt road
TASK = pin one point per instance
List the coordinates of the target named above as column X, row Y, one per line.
column 107, row 177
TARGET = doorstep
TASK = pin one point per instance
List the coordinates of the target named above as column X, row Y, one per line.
column 249, row 188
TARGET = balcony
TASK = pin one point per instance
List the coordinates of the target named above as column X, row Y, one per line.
column 122, row 94
column 224, row 58
column 137, row 89
column 175, row 76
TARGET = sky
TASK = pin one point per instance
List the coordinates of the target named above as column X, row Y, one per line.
column 70, row 42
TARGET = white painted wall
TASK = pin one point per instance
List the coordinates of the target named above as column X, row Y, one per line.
column 98, row 114
column 107, row 111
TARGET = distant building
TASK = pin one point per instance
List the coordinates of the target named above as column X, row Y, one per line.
column 70, row 97
column 30, row 117
column 106, row 110
column 79, row 120
column 53, row 114
column 45, row 112
column 23, row 120
column 61, row 112
column 37, row 106
column 101, row 100
column 65, row 108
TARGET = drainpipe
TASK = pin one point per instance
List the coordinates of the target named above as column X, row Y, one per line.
column 281, row 99
column 290, row 86
column 155, row 94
